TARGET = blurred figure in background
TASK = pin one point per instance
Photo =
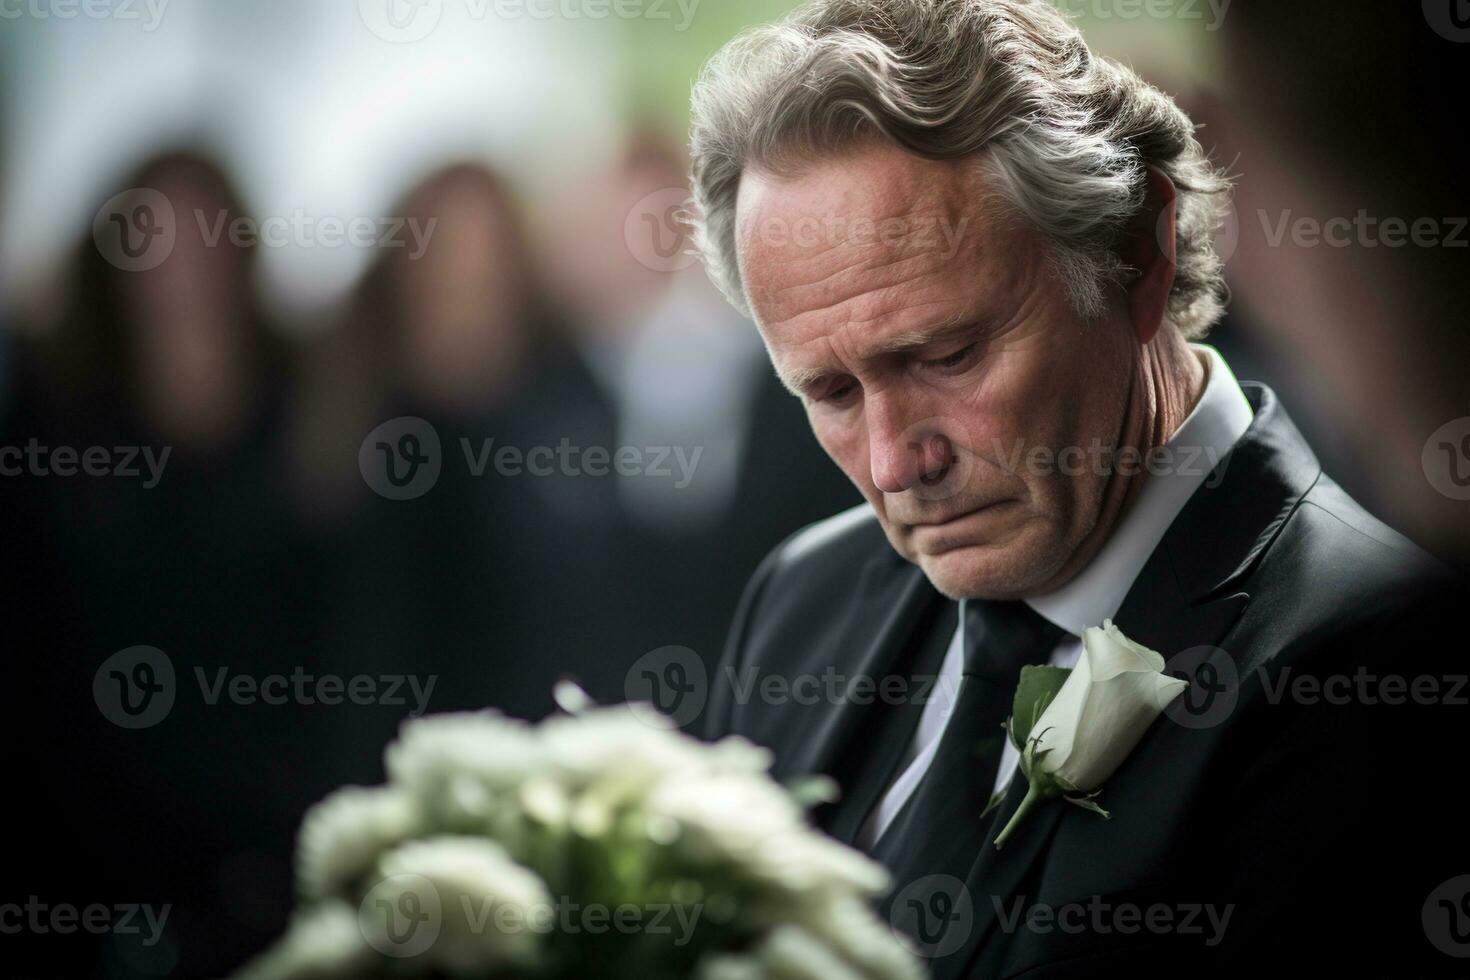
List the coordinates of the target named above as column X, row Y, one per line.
column 1247, row 345
column 180, row 543
column 688, row 376
column 492, row 581
column 1335, row 180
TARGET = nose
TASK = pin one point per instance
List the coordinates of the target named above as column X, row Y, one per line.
column 905, row 456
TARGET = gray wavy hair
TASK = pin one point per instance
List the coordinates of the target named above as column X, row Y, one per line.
column 1008, row 82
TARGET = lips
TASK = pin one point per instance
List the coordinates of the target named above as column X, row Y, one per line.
column 940, row 522
column 958, row 516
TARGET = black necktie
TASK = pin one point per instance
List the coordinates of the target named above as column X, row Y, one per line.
column 939, row 830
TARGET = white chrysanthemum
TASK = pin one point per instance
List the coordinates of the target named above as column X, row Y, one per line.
column 458, row 764
column 734, row 754
column 608, row 760
column 471, row 793
column 792, row 953
column 755, row 825
column 730, row 967
column 322, row 944
column 491, row 910
column 617, row 745
column 849, row 926
column 342, row 837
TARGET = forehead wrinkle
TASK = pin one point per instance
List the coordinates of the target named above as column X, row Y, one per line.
column 867, row 275
column 797, row 379
column 875, row 304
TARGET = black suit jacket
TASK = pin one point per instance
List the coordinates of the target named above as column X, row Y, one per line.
column 1303, row 800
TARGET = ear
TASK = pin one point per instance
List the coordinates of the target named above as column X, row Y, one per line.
column 1149, row 248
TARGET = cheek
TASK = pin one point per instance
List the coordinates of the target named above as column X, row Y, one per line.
column 1004, row 415
column 846, row 444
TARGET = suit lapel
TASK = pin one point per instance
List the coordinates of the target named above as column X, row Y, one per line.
column 894, row 616
column 1188, row 594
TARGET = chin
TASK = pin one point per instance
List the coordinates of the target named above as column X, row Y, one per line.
column 1010, row 571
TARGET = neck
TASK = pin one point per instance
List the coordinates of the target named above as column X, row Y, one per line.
column 1168, row 380
column 1168, row 383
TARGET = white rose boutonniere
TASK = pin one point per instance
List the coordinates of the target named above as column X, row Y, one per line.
column 1074, row 727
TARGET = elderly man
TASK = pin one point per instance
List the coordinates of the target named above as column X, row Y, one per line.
column 983, row 259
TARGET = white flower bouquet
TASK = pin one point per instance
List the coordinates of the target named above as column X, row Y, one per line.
column 602, row 843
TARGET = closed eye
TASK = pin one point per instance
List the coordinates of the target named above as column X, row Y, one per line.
column 839, row 392
column 952, row 360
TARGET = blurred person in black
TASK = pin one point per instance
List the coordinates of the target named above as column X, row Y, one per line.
column 1352, row 239
column 682, row 371
column 492, row 581
column 179, row 543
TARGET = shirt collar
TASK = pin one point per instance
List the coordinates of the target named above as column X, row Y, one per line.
column 1212, row 428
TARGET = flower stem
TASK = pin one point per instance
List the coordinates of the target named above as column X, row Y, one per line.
column 1033, row 797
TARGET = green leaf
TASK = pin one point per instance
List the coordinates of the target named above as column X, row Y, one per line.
column 1039, row 684
column 995, row 799
column 1085, row 802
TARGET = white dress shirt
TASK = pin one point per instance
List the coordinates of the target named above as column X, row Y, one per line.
column 1220, row 418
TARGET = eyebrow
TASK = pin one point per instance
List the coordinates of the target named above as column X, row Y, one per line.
column 799, row 380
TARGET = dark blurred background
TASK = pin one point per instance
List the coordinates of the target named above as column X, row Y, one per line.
column 291, row 244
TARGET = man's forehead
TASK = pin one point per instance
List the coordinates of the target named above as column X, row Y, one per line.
column 892, row 199
column 862, row 236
